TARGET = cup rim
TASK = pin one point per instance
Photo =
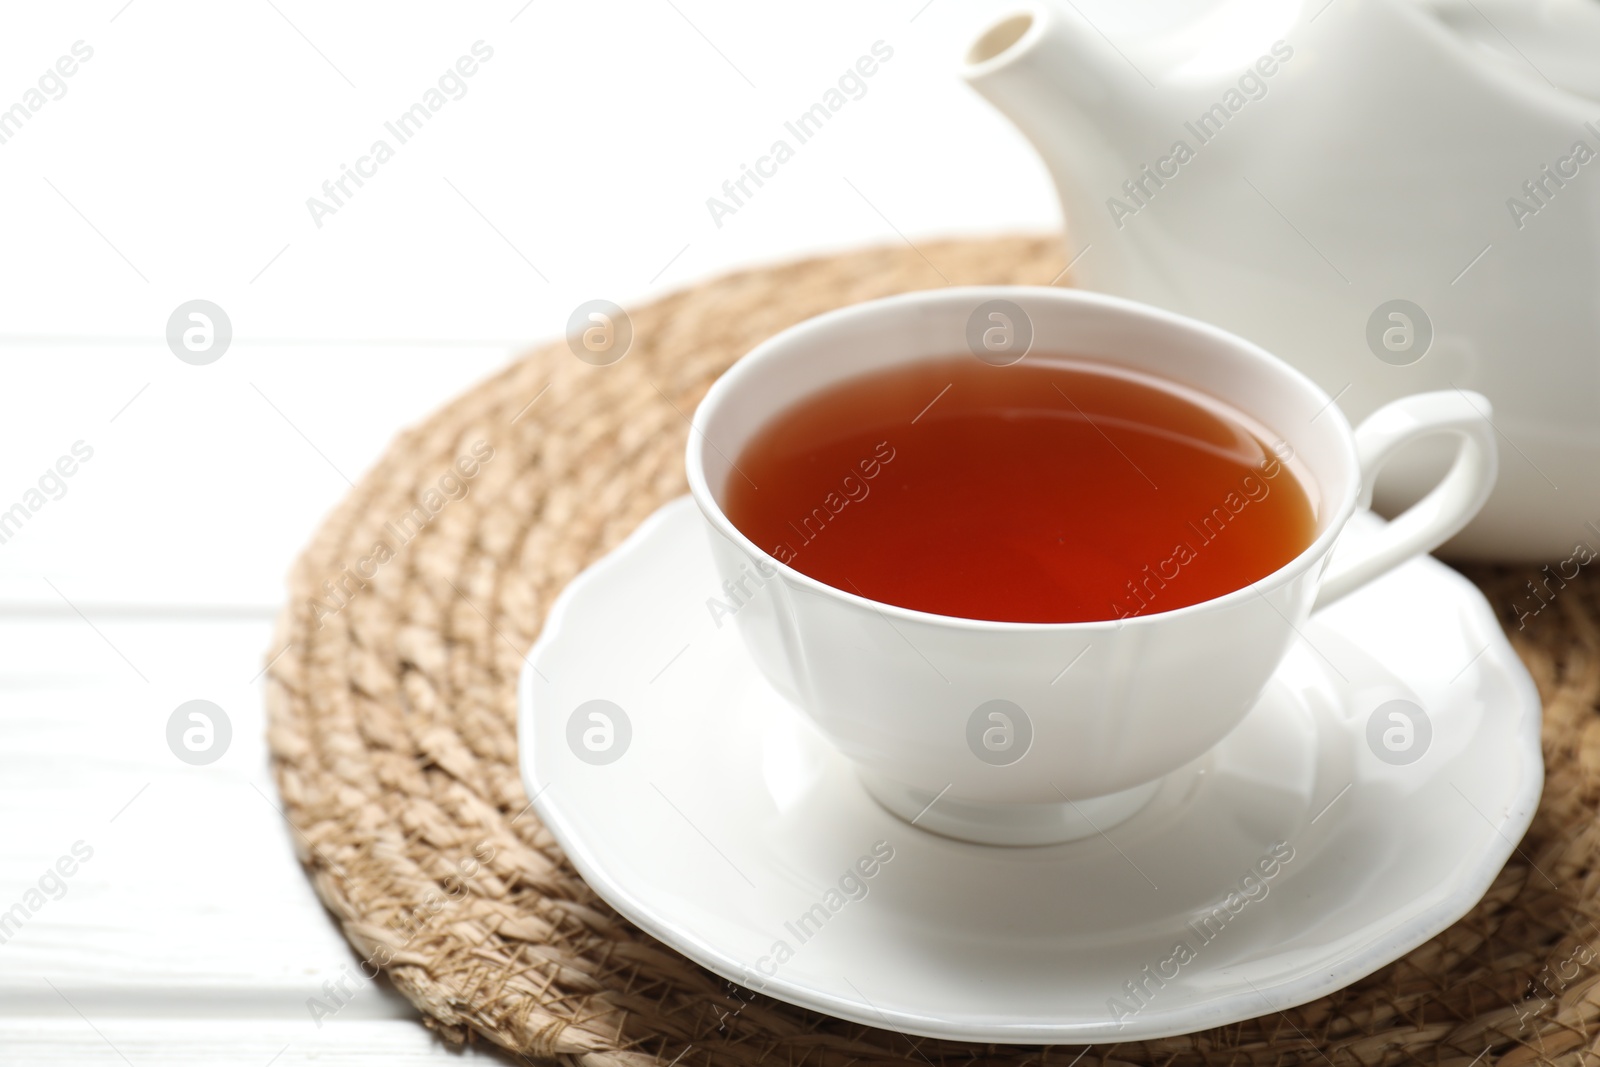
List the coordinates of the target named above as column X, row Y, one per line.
column 748, row 367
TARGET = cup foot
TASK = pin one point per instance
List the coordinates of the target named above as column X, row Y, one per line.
column 1008, row 824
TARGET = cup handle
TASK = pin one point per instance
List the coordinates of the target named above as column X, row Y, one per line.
column 1448, row 506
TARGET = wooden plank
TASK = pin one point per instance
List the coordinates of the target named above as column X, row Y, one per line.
column 201, row 483
column 73, row 1040
column 192, row 897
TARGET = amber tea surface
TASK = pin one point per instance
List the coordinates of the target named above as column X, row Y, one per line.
column 1051, row 490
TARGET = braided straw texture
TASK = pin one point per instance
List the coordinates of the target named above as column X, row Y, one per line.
column 392, row 728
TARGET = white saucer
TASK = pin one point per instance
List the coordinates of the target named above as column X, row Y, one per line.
column 722, row 818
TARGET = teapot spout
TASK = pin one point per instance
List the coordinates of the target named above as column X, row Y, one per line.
column 1084, row 106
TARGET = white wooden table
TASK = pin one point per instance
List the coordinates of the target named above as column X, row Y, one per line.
column 175, row 163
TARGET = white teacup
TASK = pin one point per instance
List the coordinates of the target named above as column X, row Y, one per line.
column 1029, row 733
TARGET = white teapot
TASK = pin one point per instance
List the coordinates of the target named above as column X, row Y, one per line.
column 1395, row 198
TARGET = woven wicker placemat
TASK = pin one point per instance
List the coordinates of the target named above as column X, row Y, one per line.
column 392, row 727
